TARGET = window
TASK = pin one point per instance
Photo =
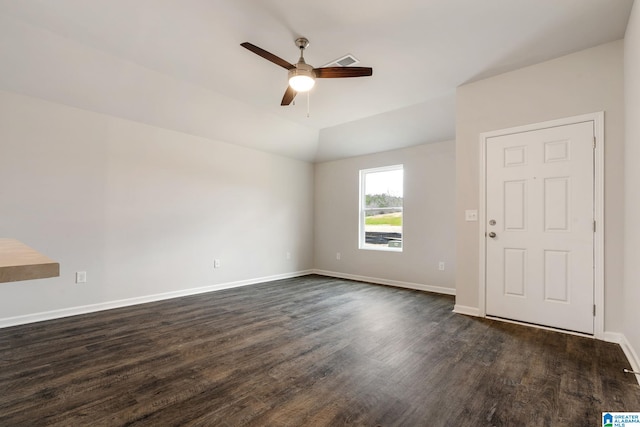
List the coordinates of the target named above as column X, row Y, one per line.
column 381, row 200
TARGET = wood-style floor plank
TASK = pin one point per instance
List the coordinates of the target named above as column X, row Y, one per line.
column 310, row 351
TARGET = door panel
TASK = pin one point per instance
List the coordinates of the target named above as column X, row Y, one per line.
column 539, row 265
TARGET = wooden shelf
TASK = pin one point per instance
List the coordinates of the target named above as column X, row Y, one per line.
column 19, row 262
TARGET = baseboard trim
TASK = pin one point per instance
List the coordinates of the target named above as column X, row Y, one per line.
column 466, row 310
column 613, row 337
column 627, row 348
column 395, row 283
column 91, row 308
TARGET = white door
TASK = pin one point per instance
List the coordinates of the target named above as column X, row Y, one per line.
column 540, row 227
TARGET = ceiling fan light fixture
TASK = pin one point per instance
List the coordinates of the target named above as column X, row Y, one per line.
column 301, row 83
column 301, row 78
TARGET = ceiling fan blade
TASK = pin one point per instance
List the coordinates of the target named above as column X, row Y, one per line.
column 268, row 55
column 338, row 72
column 289, row 94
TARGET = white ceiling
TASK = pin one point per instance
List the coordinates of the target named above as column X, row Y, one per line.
column 178, row 64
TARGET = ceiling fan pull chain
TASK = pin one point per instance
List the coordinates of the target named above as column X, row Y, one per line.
column 308, row 102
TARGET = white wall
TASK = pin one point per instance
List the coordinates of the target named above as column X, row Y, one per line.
column 631, row 328
column 584, row 82
column 429, row 228
column 142, row 209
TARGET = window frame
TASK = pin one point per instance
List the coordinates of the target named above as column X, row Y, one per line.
column 362, row 244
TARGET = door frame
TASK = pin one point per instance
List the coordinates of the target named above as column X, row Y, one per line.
column 598, row 242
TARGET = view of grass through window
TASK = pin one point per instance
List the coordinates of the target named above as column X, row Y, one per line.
column 381, row 208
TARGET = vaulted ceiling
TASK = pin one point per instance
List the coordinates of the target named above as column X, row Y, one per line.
column 178, row 64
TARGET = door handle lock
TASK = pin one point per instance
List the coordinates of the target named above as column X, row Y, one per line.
column 492, row 235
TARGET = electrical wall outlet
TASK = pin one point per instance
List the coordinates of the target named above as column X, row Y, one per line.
column 216, row 263
column 441, row 266
column 338, row 256
column 81, row 277
column 288, row 256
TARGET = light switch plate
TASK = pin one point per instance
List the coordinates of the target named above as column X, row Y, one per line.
column 471, row 215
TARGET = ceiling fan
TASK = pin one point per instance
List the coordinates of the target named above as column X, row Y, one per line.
column 302, row 76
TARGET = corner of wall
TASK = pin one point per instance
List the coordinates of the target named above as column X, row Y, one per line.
column 627, row 348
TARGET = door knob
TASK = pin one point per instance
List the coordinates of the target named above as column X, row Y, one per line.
column 492, row 235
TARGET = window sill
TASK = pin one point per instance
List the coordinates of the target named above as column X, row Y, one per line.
column 380, row 249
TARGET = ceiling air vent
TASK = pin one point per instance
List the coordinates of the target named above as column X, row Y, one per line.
column 345, row 61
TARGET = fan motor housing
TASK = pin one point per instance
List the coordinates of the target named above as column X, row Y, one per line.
column 302, row 69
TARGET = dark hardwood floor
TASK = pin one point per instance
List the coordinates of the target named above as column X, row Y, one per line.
column 311, row 351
